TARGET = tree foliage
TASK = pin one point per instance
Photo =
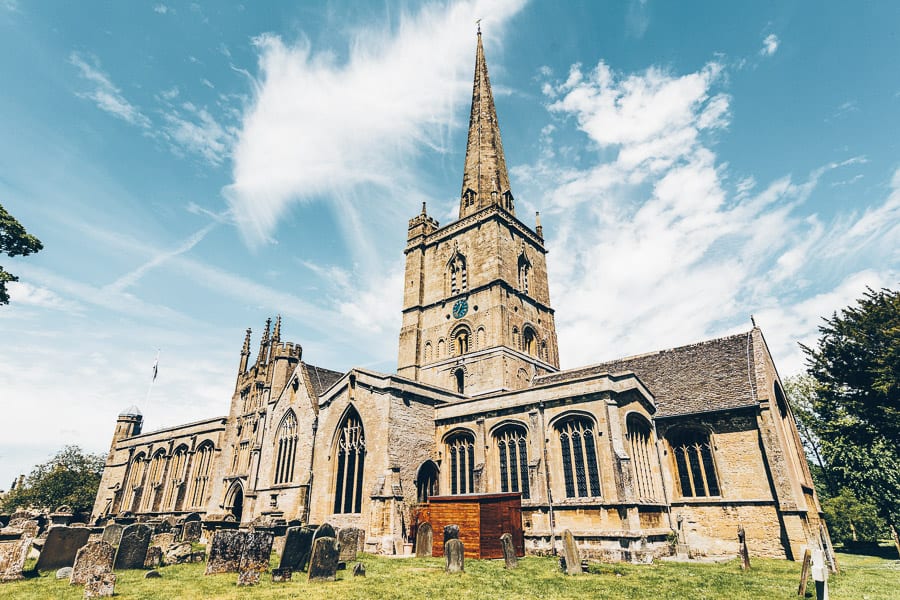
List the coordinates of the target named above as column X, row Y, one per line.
column 14, row 241
column 69, row 478
column 855, row 408
column 850, row 520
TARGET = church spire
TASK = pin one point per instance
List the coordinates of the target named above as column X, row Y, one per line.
column 485, row 180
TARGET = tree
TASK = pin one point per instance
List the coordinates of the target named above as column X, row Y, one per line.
column 69, row 478
column 14, row 241
column 856, row 366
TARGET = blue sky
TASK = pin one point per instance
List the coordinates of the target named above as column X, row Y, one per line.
column 193, row 168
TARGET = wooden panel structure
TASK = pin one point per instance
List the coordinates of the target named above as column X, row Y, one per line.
column 482, row 519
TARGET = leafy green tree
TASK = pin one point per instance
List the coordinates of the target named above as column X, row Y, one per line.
column 850, row 520
column 14, row 241
column 856, row 406
column 801, row 393
column 71, row 478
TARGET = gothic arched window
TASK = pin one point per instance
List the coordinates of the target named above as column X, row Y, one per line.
column 579, row 457
column 135, row 481
column 461, row 450
column 351, row 458
column 177, row 464
column 202, row 467
column 458, row 275
column 459, row 377
column 286, row 439
column 440, row 348
column 694, row 461
column 640, row 438
column 460, row 343
column 154, row 478
column 529, row 342
column 512, row 448
column 524, row 272
column 428, row 352
column 426, row 481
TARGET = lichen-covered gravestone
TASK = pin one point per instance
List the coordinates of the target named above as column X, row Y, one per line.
column 510, row 560
column 93, row 557
column 154, row 557
column 281, row 575
column 324, row 559
column 571, row 554
column 454, row 553
column 297, row 545
column 112, row 534
column 254, row 557
column 163, row 540
column 177, row 554
column 190, row 531
column 101, row 585
column 132, row 549
column 225, row 551
column 60, row 547
column 424, row 540
column 348, row 542
column 12, row 559
column 324, row 530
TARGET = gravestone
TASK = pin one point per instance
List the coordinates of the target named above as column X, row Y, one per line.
column 454, row 553
column 510, row 560
column 177, row 554
column 571, row 554
column 742, row 546
column 281, row 575
column 348, row 543
column 64, row 573
column 93, row 557
column 324, row 559
column 100, row 585
column 12, row 559
column 297, row 545
column 154, row 557
column 152, row 575
column 804, row 573
column 424, row 540
column 164, row 526
column 112, row 534
column 190, row 531
column 30, row 527
column 359, row 570
column 133, row 548
column 257, row 549
column 225, row 551
column 324, row 530
column 60, row 547
column 451, row 532
column 163, row 540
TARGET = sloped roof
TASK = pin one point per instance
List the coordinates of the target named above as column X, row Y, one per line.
column 707, row 376
column 321, row 379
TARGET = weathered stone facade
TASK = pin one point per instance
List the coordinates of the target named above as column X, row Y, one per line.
column 688, row 443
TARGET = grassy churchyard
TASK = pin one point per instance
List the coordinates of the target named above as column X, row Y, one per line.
column 862, row 578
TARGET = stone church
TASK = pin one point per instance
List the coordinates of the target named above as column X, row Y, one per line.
column 686, row 444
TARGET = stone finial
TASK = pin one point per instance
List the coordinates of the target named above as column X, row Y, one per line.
column 245, row 351
column 276, row 335
column 538, row 228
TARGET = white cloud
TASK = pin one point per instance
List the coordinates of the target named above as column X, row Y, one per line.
column 105, row 94
column 318, row 128
column 637, row 18
column 770, row 45
column 161, row 9
column 24, row 293
column 195, row 130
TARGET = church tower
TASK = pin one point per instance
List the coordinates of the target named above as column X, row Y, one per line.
column 476, row 303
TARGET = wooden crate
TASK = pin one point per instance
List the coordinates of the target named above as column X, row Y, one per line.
column 482, row 519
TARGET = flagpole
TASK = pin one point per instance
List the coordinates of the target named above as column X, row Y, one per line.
column 152, row 379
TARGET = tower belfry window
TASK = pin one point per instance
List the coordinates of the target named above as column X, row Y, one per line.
column 458, row 275
column 524, row 272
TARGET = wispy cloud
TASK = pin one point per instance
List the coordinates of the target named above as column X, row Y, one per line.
column 193, row 129
column 637, row 18
column 24, row 293
column 770, row 45
column 104, row 93
column 161, row 9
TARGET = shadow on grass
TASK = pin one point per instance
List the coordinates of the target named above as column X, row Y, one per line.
column 886, row 551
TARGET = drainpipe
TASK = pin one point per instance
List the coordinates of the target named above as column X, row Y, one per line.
column 547, row 480
column 315, row 427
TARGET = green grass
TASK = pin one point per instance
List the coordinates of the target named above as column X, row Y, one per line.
column 862, row 578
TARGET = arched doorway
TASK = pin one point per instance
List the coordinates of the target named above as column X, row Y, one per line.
column 234, row 501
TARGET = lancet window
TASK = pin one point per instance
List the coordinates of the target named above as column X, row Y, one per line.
column 578, row 446
column 694, row 461
column 458, row 275
column 177, row 464
column 461, row 450
column 640, row 440
column 427, row 481
column 524, row 272
column 286, row 439
column 135, row 478
column 351, row 457
column 202, row 465
column 512, row 449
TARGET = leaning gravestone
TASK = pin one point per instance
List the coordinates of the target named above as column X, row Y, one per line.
column 324, row 560
column 257, row 549
column 112, row 534
column 348, row 543
column 451, row 532
column 570, row 552
column 100, row 585
column 132, row 549
column 225, row 551
column 454, row 553
column 93, row 557
column 154, row 557
column 297, row 544
column 424, row 540
column 510, row 560
column 60, row 547
column 190, row 531
column 12, row 559
column 324, row 530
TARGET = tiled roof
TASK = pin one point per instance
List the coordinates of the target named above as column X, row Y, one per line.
column 702, row 377
column 321, row 379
